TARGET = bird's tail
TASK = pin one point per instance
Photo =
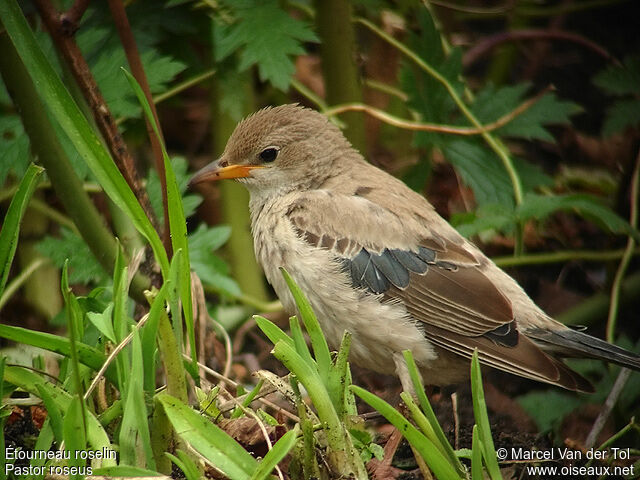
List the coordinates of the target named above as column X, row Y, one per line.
column 574, row 343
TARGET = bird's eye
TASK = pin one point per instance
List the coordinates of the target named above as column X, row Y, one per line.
column 269, row 154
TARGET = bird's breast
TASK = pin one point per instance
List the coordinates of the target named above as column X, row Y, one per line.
column 378, row 328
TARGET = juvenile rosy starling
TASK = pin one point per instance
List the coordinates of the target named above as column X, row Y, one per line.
column 376, row 260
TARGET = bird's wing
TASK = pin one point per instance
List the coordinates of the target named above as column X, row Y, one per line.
column 440, row 282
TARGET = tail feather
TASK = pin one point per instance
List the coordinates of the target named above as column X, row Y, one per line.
column 573, row 343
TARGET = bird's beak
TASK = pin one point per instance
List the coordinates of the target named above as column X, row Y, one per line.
column 214, row 171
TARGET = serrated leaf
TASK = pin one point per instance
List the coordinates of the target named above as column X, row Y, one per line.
column 14, row 147
column 622, row 114
column 83, row 266
column 620, row 80
column 211, row 269
column 541, row 206
column 482, row 171
column 267, row 37
column 491, row 103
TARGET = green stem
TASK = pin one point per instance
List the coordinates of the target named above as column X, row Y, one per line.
column 20, row 279
column 626, row 258
column 562, row 256
column 339, row 70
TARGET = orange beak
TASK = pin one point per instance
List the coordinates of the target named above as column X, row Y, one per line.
column 214, row 171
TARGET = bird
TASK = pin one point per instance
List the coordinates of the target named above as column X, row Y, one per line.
column 375, row 259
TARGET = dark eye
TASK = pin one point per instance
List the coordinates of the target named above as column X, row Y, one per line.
column 269, row 154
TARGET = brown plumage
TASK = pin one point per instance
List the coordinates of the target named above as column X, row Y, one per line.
column 374, row 258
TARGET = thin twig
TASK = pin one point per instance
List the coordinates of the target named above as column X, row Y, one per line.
column 487, row 44
column 133, row 58
column 70, row 20
column 433, row 127
column 113, row 355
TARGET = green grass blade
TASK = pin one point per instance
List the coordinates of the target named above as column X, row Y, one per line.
column 53, row 413
column 89, row 356
column 177, row 221
column 11, row 223
column 300, row 343
column 435, row 460
column 208, row 439
column 134, row 430
column 442, row 441
column 148, row 334
column 272, row 331
column 277, row 453
column 476, row 456
column 74, row 433
column 184, row 463
column 308, row 317
column 65, row 111
column 482, row 420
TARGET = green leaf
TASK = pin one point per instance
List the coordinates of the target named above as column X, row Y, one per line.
column 622, row 114
column 620, row 79
column 74, row 433
column 318, row 341
column 541, row 206
column 482, row 171
column 272, row 331
column 476, row 455
column 208, row 439
column 491, row 103
column 90, row 356
column 14, row 147
column 83, row 266
column 103, row 322
column 53, row 413
column 11, row 224
column 211, row 269
column 267, row 36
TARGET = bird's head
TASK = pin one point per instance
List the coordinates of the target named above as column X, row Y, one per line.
column 278, row 149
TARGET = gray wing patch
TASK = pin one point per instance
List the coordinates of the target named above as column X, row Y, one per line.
column 377, row 272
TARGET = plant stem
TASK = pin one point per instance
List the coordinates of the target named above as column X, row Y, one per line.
column 339, row 70
column 626, row 258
